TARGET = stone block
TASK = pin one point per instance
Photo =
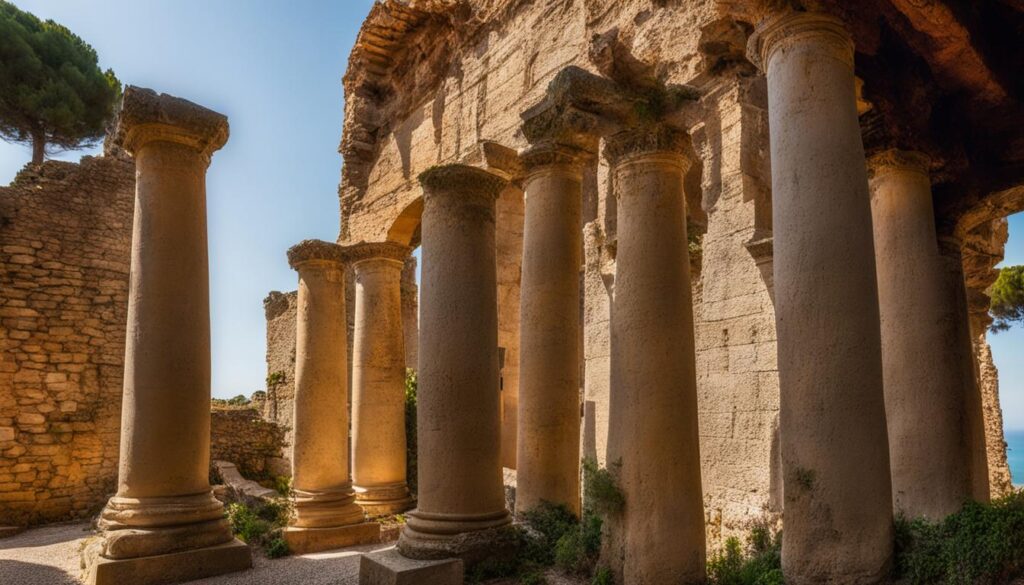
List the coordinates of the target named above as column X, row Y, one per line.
column 388, row 567
column 310, row 540
column 171, row 568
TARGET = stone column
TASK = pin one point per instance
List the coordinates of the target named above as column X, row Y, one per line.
column 548, row 453
column 835, row 453
column 924, row 390
column 653, row 429
column 326, row 515
column 164, row 504
column 378, row 380
column 951, row 251
column 459, row 434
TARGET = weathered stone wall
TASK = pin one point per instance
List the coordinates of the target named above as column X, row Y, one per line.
column 1000, row 481
column 279, row 309
column 241, row 436
column 65, row 242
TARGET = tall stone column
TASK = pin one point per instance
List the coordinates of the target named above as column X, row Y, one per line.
column 548, row 453
column 835, row 452
column 378, row 380
column 326, row 515
column 951, row 251
column 653, row 429
column 921, row 361
column 164, row 505
column 459, row 432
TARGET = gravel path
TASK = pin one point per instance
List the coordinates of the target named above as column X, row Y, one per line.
column 49, row 556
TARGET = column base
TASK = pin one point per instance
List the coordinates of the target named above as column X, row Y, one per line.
column 326, row 509
column 303, row 541
column 383, row 500
column 434, row 537
column 389, row 567
column 175, row 567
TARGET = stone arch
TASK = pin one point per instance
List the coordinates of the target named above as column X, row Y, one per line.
column 406, row 227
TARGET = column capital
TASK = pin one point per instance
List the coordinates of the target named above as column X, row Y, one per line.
column 368, row 251
column 658, row 139
column 147, row 116
column 547, row 155
column 786, row 29
column 895, row 159
column 316, row 251
column 461, row 179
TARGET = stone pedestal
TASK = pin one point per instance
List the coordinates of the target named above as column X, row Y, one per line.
column 835, row 454
column 389, row 567
column 164, row 505
column 460, row 494
column 324, row 498
column 378, row 380
column 924, row 389
column 548, row 453
column 653, row 410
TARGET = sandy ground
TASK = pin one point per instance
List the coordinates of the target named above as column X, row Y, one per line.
column 49, row 556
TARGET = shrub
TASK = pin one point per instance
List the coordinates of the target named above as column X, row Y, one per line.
column 603, row 576
column 259, row 523
column 759, row 564
column 601, row 493
column 981, row 544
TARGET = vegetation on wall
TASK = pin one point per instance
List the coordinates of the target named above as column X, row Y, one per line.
column 53, row 94
column 1007, row 308
column 410, row 430
column 982, row 544
column 237, row 401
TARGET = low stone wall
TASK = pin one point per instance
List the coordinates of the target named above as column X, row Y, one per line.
column 241, row 436
column 65, row 242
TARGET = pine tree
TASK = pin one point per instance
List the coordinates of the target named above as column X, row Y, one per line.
column 53, row 94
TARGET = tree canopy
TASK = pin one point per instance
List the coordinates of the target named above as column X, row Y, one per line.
column 52, row 91
column 1007, row 294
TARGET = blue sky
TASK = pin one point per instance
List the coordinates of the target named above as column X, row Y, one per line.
column 275, row 69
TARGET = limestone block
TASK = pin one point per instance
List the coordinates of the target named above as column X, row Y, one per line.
column 170, row 568
column 303, row 541
column 388, row 567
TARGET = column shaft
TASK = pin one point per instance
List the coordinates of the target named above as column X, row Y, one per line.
column 164, row 503
column 378, row 385
column 548, row 454
column 653, row 412
column 835, row 454
column 924, row 390
column 320, row 456
column 956, row 290
column 459, row 436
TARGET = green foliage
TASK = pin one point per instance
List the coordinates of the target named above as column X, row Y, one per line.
column 551, row 523
column 603, row 576
column 283, row 485
column 259, row 523
column 52, row 91
column 275, row 378
column 601, row 493
column 759, row 564
column 1007, row 306
column 411, row 460
column 982, row 544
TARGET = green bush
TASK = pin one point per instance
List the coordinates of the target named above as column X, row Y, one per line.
column 601, row 493
column 982, row 544
column 603, row 576
column 411, row 460
column 759, row 564
column 259, row 523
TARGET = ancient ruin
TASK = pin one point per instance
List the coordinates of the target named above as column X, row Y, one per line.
column 735, row 252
